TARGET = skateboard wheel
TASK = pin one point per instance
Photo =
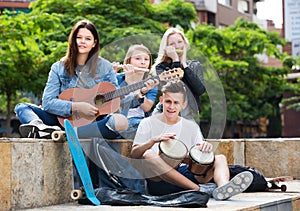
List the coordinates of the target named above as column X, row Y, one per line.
column 76, row 194
column 283, row 188
column 58, row 136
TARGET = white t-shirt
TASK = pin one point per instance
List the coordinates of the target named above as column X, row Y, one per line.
column 186, row 131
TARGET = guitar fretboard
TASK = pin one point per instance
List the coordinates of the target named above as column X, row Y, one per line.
column 126, row 89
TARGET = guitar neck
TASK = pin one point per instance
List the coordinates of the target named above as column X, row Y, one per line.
column 126, row 89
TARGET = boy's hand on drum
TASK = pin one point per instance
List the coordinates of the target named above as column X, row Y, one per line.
column 164, row 137
column 205, row 146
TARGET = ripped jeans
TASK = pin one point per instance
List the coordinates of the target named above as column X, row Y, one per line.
column 104, row 128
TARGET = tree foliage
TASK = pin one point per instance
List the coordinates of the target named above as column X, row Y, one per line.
column 31, row 42
column 251, row 89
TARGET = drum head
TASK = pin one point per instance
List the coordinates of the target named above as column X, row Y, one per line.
column 201, row 157
column 173, row 148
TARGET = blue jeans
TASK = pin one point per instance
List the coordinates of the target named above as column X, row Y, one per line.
column 163, row 188
column 133, row 123
column 27, row 112
column 104, row 128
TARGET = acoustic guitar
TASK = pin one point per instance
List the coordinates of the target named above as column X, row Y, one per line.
column 106, row 97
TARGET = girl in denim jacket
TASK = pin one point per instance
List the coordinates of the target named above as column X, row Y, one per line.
column 82, row 68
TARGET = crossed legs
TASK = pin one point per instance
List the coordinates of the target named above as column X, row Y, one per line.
column 157, row 170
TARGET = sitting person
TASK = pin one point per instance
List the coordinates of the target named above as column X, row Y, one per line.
column 173, row 54
column 81, row 67
column 137, row 63
column 164, row 179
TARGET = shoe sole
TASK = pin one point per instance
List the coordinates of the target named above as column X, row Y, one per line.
column 236, row 185
column 208, row 188
column 31, row 131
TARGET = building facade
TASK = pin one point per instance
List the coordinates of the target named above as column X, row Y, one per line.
column 15, row 5
column 222, row 13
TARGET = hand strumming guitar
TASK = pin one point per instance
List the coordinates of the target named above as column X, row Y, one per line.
column 85, row 108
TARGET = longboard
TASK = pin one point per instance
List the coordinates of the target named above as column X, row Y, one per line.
column 80, row 163
column 279, row 182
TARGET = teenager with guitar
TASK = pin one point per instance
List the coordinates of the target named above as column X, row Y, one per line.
column 79, row 70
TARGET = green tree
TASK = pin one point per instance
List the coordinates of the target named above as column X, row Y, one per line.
column 174, row 12
column 293, row 102
column 30, row 43
column 19, row 55
column 252, row 90
column 116, row 19
column 23, row 52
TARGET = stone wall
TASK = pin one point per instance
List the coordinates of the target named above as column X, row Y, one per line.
column 34, row 173
column 273, row 157
column 38, row 172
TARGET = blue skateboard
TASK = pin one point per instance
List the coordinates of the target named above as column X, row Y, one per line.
column 80, row 163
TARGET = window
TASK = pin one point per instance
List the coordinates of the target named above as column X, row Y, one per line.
column 225, row 2
column 243, row 6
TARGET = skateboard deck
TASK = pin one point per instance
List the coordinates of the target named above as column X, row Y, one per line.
column 279, row 182
column 58, row 136
column 80, row 164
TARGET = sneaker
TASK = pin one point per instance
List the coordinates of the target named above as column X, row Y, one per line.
column 37, row 129
column 208, row 188
column 236, row 185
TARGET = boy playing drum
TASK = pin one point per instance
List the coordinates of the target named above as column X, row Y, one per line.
column 164, row 179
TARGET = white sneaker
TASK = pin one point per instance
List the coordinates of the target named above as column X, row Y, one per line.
column 37, row 129
column 236, row 185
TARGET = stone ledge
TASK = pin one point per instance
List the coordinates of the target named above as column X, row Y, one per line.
column 38, row 172
column 273, row 157
column 34, row 173
column 258, row 201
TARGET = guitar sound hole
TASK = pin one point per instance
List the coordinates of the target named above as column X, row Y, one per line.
column 99, row 100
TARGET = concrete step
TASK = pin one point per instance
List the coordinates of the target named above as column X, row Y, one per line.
column 38, row 172
column 258, row 201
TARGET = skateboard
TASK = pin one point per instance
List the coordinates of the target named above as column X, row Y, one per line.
column 58, row 136
column 81, row 166
column 279, row 182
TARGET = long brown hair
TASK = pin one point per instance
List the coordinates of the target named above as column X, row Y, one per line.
column 70, row 60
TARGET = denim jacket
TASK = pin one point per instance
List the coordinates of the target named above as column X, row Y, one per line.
column 59, row 81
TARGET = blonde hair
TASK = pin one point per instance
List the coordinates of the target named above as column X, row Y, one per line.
column 161, row 57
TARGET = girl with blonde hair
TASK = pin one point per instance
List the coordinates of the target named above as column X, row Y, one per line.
column 173, row 54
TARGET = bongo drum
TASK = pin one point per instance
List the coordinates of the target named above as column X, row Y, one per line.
column 200, row 162
column 172, row 151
